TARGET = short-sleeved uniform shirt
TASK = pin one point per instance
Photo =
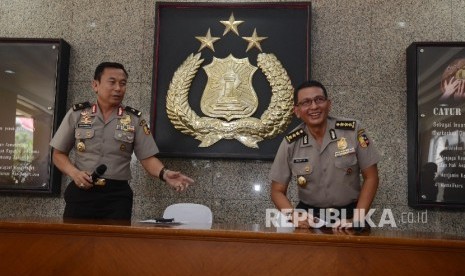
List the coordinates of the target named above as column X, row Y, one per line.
column 329, row 174
column 111, row 143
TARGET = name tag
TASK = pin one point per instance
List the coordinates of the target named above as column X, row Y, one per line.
column 344, row 152
column 300, row 160
column 84, row 125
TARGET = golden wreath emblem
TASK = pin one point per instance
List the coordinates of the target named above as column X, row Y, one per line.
column 229, row 95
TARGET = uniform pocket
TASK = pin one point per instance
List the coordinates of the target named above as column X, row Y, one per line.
column 303, row 172
column 301, row 168
column 346, row 161
column 80, row 133
column 124, row 136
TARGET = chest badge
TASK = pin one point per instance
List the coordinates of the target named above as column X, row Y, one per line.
column 302, row 181
column 342, row 144
column 81, row 146
column 126, row 124
column 85, row 117
column 125, row 120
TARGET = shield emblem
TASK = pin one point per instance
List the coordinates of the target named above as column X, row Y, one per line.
column 229, row 93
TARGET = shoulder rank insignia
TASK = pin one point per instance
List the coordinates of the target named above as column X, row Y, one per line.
column 291, row 137
column 133, row 111
column 81, row 106
column 348, row 125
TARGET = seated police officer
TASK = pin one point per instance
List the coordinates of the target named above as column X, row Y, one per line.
column 325, row 155
column 104, row 134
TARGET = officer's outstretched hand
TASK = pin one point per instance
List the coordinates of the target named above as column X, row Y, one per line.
column 177, row 180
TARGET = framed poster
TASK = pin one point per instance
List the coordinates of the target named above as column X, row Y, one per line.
column 436, row 124
column 33, row 89
column 224, row 75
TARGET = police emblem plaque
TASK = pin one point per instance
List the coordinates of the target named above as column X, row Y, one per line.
column 223, row 87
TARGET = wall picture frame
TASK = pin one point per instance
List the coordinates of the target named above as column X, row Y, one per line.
column 33, row 89
column 436, row 124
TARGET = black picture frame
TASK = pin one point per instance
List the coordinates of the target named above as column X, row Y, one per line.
column 33, row 89
column 177, row 25
column 436, row 124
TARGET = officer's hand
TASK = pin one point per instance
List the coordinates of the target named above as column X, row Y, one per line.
column 177, row 180
column 303, row 224
column 299, row 219
column 342, row 224
column 343, row 231
column 82, row 180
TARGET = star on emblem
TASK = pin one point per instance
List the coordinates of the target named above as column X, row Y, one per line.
column 254, row 40
column 207, row 41
column 231, row 25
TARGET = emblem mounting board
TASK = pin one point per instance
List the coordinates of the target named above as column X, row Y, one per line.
column 224, row 74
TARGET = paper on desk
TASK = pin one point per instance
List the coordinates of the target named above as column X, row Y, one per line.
column 154, row 221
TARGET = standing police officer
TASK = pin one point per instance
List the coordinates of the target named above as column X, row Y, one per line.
column 106, row 133
column 326, row 155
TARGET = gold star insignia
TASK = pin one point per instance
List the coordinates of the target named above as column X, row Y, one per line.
column 207, row 41
column 231, row 25
column 254, row 40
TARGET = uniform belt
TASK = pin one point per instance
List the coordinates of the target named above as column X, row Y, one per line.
column 105, row 181
column 100, row 182
column 319, row 210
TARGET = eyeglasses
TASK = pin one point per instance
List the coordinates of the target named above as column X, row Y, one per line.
column 308, row 102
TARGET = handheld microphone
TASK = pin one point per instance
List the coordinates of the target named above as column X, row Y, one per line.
column 99, row 171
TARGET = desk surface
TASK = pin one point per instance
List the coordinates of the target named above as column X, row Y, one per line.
column 52, row 247
column 245, row 232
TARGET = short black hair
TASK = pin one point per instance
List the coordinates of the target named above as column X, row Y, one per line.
column 99, row 70
column 309, row 83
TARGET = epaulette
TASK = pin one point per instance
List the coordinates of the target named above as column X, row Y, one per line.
column 133, row 111
column 348, row 125
column 291, row 137
column 81, row 106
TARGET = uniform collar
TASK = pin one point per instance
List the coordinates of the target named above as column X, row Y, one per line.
column 328, row 138
column 330, row 134
column 116, row 113
column 120, row 111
